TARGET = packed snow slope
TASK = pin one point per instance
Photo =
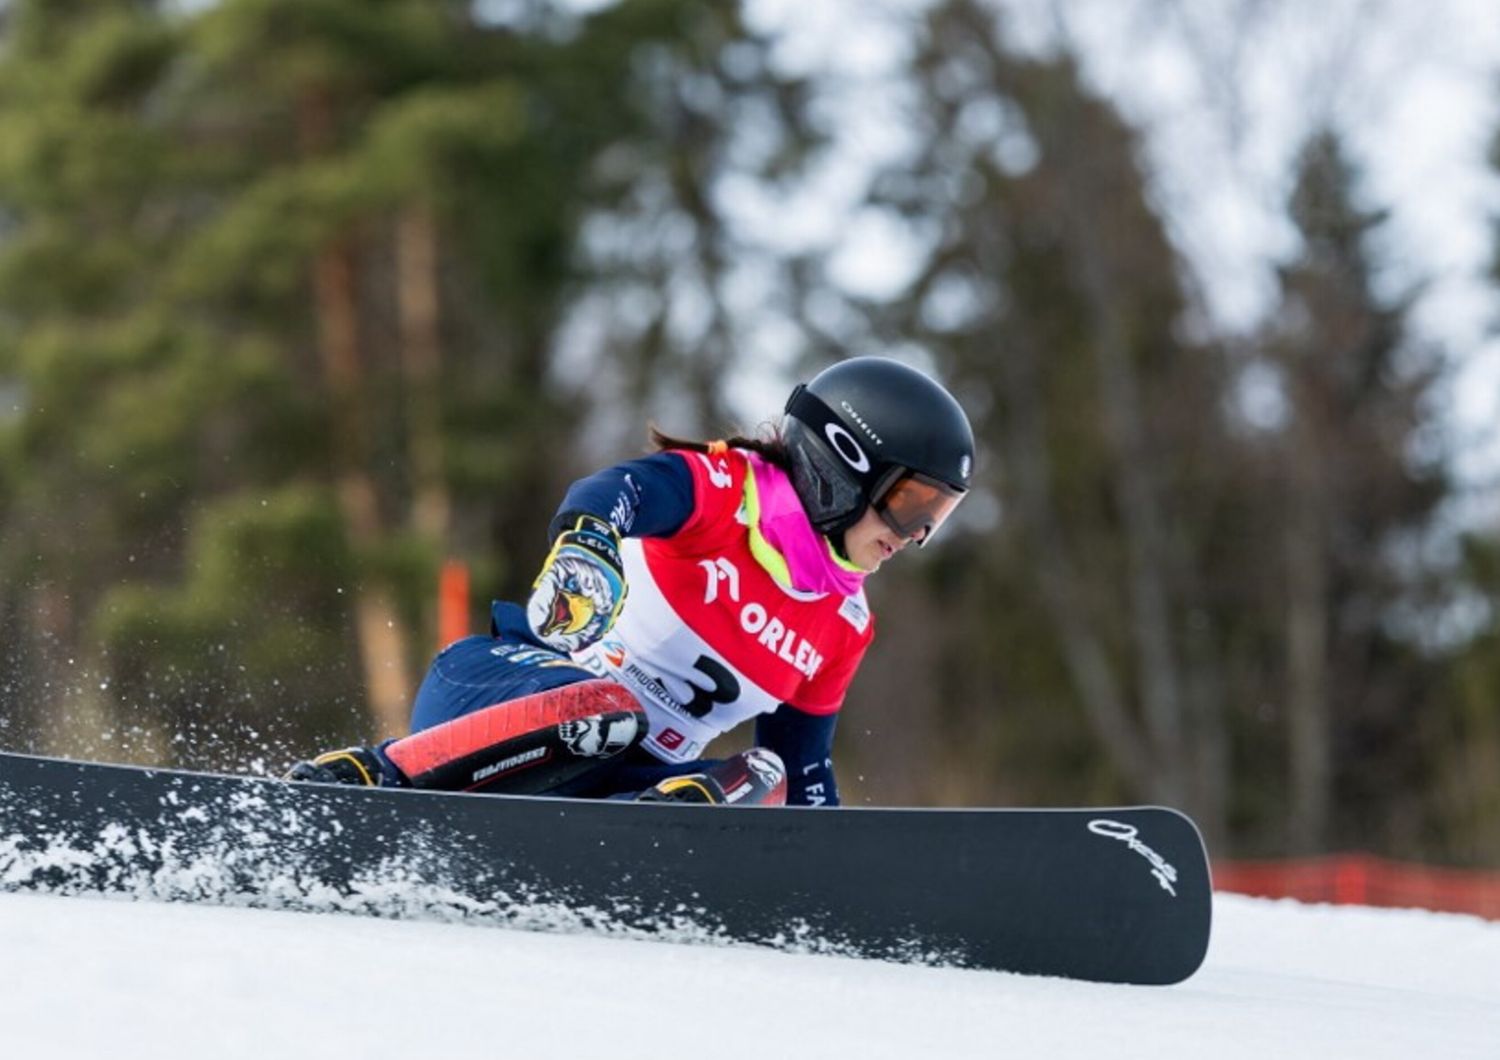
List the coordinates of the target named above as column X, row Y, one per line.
column 84, row 977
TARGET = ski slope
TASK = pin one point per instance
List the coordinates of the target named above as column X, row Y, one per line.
column 90, row 977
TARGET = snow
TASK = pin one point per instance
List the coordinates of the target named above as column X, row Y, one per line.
column 119, row 978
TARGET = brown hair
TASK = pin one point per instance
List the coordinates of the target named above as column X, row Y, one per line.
column 770, row 447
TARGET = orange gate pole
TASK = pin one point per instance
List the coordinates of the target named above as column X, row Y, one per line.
column 453, row 602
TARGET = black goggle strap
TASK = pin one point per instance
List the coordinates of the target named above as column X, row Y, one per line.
column 830, row 429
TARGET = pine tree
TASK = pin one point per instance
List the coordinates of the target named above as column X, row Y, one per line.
column 1466, row 732
column 1360, row 497
column 287, row 281
column 1083, row 656
column 125, row 414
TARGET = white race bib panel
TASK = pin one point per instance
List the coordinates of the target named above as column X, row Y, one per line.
column 708, row 639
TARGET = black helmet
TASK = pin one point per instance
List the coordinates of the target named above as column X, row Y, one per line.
column 872, row 431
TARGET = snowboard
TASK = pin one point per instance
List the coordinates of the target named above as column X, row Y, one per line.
column 1117, row 895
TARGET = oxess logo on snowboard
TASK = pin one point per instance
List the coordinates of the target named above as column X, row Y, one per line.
column 1165, row 874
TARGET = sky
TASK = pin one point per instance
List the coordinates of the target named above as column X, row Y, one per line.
column 89, row 977
column 1224, row 90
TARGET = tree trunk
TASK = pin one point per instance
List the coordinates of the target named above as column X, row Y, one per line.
column 1097, row 243
column 383, row 636
column 417, row 297
column 1308, row 721
column 1210, row 763
column 1085, row 655
column 1146, row 546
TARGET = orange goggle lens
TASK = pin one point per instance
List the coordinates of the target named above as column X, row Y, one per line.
column 915, row 505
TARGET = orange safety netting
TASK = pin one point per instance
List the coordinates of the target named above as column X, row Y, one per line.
column 1359, row 879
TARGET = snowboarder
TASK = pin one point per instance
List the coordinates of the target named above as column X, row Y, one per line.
column 744, row 560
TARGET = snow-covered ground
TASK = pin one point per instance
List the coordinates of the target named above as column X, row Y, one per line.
column 88, row 977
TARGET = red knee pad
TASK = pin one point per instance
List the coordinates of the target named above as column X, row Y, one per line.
column 526, row 745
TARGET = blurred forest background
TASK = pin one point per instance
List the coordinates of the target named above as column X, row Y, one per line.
column 301, row 298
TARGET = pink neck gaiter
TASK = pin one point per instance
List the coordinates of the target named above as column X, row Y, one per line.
column 784, row 524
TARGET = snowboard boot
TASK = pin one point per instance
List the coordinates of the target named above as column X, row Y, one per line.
column 359, row 766
column 751, row 778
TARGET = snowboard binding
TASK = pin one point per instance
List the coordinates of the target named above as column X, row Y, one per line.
column 755, row 777
column 358, row 766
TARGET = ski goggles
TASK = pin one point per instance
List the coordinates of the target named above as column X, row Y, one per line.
column 915, row 505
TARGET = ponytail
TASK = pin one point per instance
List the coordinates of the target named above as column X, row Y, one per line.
column 770, row 448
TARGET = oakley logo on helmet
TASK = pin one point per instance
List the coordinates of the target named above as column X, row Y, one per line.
column 844, row 444
column 857, row 418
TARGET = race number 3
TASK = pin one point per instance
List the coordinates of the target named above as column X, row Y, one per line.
column 726, row 687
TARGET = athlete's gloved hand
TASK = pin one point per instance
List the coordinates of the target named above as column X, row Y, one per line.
column 578, row 595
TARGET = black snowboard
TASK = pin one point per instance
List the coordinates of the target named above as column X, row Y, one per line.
column 1116, row 895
